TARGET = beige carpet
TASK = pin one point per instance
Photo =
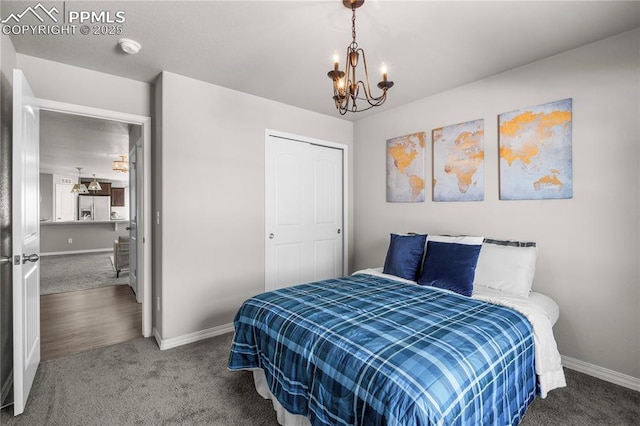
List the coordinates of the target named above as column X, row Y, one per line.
column 135, row 383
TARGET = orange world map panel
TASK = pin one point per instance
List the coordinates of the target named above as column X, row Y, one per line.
column 405, row 168
column 535, row 152
column 458, row 162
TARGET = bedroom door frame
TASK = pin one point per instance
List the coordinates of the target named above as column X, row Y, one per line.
column 144, row 219
column 345, row 188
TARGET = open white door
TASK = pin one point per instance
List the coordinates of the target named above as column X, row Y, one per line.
column 26, row 240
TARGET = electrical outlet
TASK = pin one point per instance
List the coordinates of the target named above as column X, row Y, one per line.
column 69, row 240
column 158, row 304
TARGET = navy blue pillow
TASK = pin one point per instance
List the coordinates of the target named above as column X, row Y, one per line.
column 450, row 266
column 404, row 256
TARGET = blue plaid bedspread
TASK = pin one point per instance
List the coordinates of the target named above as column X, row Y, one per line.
column 365, row 350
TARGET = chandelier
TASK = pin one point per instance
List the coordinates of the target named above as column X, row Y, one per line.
column 94, row 185
column 121, row 165
column 347, row 89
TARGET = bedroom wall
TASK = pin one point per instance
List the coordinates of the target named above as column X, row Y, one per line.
column 7, row 64
column 588, row 245
column 212, row 197
column 80, row 86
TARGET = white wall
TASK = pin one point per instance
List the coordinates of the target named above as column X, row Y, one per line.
column 588, row 245
column 66, row 83
column 212, row 214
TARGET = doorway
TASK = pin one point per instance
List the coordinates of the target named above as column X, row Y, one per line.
column 84, row 237
column 139, row 131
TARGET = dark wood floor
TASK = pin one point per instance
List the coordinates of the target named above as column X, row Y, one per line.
column 87, row 319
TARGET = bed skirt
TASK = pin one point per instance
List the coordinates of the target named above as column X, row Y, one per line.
column 285, row 418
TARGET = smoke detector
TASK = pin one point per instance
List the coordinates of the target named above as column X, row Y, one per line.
column 129, row 46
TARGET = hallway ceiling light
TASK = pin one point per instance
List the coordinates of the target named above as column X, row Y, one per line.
column 79, row 188
column 346, row 86
column 94, row 185
column 121, row 165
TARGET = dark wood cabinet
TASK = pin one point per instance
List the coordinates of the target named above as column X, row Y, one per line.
column 117, row 197
column 106, row 188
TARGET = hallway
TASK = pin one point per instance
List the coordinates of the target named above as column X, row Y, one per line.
column 87, row 319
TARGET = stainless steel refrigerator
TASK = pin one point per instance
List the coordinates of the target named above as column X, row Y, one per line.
column 92, row 207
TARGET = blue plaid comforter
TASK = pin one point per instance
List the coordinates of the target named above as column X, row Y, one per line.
column 365, row 350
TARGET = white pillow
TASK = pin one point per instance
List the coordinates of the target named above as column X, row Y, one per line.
column 460, row 239
column 507, row 266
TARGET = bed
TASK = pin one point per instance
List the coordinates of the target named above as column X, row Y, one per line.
column 374, row 348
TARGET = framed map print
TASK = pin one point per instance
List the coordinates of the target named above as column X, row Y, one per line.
column 405, row 168
column 458, row 162
column 535, row 152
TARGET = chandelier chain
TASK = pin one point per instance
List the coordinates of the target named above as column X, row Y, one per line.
column 353, row 24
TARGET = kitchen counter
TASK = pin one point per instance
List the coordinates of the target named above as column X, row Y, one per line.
column 114, row 222
column 81, row 222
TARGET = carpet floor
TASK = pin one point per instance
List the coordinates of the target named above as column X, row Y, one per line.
column 134, row 383
column 71, row 272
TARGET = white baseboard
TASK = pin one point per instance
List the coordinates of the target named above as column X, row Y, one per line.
column 55, row 253
column 6, row 388
column 191, row 337
column 602, row 373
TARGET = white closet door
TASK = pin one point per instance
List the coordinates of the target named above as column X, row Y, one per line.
column 303, row 209
column 326, row 227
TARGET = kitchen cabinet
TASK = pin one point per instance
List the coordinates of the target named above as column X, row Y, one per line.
column 106, row 187
column 117, row 197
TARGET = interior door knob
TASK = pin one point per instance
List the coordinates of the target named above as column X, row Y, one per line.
column 271, row 236
column 30, row 258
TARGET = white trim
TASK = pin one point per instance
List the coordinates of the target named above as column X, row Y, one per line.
column 345, row 184
column 192, row 337
column 602, row 373
column 144, row 274
column 55, row 253
column 156, row 335
column 87, row 111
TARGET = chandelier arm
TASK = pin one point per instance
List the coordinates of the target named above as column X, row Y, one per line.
column 367, row 86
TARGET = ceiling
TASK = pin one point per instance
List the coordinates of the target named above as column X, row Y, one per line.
column 69, row 141
column 282, row 50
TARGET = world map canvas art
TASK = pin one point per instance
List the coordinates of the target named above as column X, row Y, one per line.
column 535, row 152
column 458, row 162
column 405, row 168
